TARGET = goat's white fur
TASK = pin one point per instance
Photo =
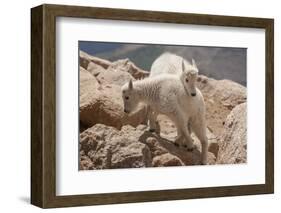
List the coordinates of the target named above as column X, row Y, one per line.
column 194, row 107
column 167, row 93
column 176, row 65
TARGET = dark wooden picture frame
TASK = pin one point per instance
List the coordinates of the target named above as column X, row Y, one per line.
column 43, row 105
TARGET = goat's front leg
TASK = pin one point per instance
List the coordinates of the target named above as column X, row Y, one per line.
column 152, row 119
column 183, row 133
column 199, row 127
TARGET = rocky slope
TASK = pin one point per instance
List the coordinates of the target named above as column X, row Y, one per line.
column 109, row 138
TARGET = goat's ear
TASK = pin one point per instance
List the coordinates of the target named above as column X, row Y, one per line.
column 130, row 84
column 194, row 63
column 182, row 65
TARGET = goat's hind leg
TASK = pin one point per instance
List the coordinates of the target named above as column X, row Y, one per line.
column 192, row 146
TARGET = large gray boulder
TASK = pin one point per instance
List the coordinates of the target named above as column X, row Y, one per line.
column 233, row 142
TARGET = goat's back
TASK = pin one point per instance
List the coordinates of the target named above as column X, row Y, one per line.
column 167, row 63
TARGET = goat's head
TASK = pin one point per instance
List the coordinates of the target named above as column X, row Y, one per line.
column 129, row 97
column 189, row 77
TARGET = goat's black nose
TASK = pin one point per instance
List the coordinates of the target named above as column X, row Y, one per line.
column 193, row 94
column 125, row 111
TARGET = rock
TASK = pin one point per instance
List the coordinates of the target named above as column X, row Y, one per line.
column 88, row 87
column 213, row 148
column 85, row 163
column 95, row 69
column 137, row 72
column 166, row 160
column 100, row 94
column 112, row 149
column 159, row 145
column 96, row 106
column 154, row 146
column 102, row 103
column 221, row 96
column 211, row 158
column 233, row 142
column 130, row 147
column 88, row 143
column 85, row 59
column 124, row 65
column 114, row 76
column 227, row 92
column 231, row 93
column 91, row 64
column 213, row 145
column 169, row 131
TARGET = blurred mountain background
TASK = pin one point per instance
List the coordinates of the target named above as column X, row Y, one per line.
column 215, row 62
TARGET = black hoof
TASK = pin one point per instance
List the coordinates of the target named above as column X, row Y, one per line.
column 151, row 130
column 176, row 144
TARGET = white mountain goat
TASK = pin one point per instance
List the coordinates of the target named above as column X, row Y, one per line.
column 176, row 65
column 175, row 95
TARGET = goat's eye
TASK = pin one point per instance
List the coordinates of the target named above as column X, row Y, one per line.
column 186, row 80
column 127, row 98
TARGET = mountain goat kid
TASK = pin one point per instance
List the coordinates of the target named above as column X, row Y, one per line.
column 172, row 94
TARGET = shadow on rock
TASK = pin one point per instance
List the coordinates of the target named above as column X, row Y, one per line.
column 160, row 146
